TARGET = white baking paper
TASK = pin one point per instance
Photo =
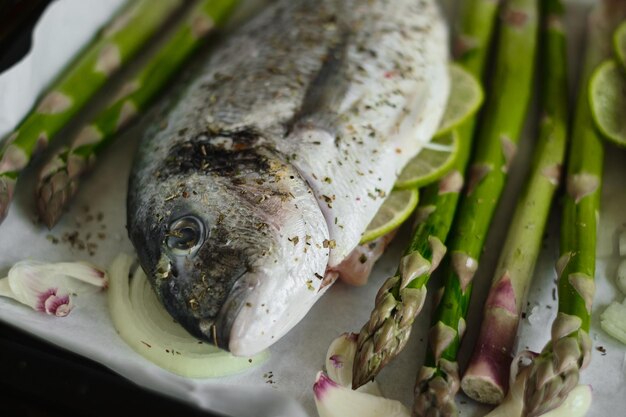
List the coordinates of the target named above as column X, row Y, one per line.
column 64, row 29
column 298, row 356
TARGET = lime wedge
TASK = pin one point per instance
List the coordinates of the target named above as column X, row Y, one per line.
column 395, row 210
column 619, row 40
column 607, row 98
column 466, row 96
column 432, row 163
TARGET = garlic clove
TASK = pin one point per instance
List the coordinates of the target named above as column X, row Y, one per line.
column 49, row 288
column 340, row 360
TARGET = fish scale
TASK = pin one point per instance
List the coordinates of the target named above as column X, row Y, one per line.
column 292, row 135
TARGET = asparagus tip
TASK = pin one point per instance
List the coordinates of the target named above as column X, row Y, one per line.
column 557, row 370
column 366, row 364
column 376, row 350
column 48, row 216
column 7, row 186
column 51, row 203
column 434, row 394
column 384, row 336
column 539, row 398
column 57, row 185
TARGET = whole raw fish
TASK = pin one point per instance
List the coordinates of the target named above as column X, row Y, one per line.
column 277, row 156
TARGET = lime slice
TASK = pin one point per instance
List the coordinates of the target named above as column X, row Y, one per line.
column 619, row 40
column 432, row 163
column 395, row 210
column 466, row 96
column 607, row 98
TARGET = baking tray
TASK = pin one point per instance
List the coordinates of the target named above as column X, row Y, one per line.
column 300, row 354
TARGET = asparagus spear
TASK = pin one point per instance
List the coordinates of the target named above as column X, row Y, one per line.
column 556, row 371
column 487, row 376
column 60, row 177
column 401, row 298
column 438, row 380
column 115, row 45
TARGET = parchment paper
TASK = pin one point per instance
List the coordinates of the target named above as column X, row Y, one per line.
column 63, row 30
column 297, row 357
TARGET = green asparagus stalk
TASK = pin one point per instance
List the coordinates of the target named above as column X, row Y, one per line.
column 115, row 45
column 487, row 376
column 60, row 177
column 556, row 371
column 438, row 380
column 401, row 298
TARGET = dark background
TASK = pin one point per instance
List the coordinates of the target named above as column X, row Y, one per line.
column 17, row 18
column 36, row 378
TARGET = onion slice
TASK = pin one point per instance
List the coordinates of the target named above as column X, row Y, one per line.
column 613, row 320
column 621, row 276
column 145, row 325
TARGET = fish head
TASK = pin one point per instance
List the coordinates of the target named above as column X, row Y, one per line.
column 193, row 264
column 237, row 258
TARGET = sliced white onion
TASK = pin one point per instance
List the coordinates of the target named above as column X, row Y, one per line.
column 621, row 244
column 148, row 329
column 50, row 287
column 621, row 276
column 5, row 289
column 613, row 320
column 334, row 400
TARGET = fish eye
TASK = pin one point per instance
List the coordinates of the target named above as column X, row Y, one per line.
column 185, row 235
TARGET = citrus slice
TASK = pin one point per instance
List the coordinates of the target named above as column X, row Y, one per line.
column 395, row 210
column 466, row 96
column 607, row 98
column 619, row 40
column 432, row 163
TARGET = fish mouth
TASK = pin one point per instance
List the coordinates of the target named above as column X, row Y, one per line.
column 210, row 327
column 230, row 310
